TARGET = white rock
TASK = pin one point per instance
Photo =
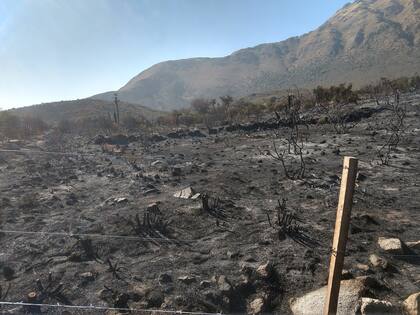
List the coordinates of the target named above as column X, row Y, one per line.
column 256, row 306
column 391, row 245
column 186, row 193
column 412, row 304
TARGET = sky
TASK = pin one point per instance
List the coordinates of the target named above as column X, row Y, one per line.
column 52, row 50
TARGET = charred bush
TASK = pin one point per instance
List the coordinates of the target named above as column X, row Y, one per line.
column 289, row 150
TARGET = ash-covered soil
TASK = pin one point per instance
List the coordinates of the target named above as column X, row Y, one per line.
column 183, row 257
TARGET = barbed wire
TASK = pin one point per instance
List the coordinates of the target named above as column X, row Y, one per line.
column 104, row 308
column 24, row 150
column 94, row 235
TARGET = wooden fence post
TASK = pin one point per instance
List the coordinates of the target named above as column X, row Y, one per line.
column 342, row 221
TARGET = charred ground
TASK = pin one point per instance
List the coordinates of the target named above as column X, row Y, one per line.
column 177, row 255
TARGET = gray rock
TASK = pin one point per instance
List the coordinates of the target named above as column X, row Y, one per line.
column 165, row 278
column 187, row 279
column 205, row 284
column 371, row 306
column 224, row 285
column 414, row 245
column 378, row 262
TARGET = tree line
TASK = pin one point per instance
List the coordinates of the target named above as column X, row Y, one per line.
column 207, row 112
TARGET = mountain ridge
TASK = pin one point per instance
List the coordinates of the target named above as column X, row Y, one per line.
column 364, row 40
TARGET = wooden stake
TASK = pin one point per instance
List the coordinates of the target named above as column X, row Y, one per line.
column 342, row 221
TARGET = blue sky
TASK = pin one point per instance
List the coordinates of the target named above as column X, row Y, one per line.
column 53, row 50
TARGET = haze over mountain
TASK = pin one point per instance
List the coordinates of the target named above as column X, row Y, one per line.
column 365, row 40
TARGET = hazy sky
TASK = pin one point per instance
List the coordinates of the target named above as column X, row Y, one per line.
column 54, row 50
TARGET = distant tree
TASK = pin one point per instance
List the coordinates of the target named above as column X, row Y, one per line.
column 117, row 109
column 9, row 125
column 65, row 126
column 132, row 123
column 201, row 106
column 227, row 101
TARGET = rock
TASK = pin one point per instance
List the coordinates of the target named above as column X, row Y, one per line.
column 205, row 284
column 363, row 267
column 87, row 276
column 118, row 139
column 378, row 262
column 165, row 278
column 414, row 245
column 412, row 304
column 232, row 255
column 157, row 162
column 185, row 193
column 121, row 300
column 196, row 133
column 196, row 196
column 99, row 139
column 153, row 208
column 265, row 271
column 155, row 298
column 391, row 245
column 187, row 279
column 346, row 274
column 120, row 200
column 371, row 306
column 257, row 306
column 224, row 285
column 312, row 303
column 247, row 268
column 8, row 273
column 176, row 171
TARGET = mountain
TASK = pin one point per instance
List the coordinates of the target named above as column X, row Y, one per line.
column 83, row 108
column 365, row 40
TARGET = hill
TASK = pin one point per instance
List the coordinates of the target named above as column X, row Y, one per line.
column 83, row 108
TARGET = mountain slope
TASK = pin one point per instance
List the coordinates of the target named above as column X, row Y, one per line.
column 81, row 109
column 363, row 41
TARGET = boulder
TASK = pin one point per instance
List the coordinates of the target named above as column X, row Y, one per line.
column 412, row 304
column 257, row 306
column 351, row 291
column 391, row 245
column 371, row 306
